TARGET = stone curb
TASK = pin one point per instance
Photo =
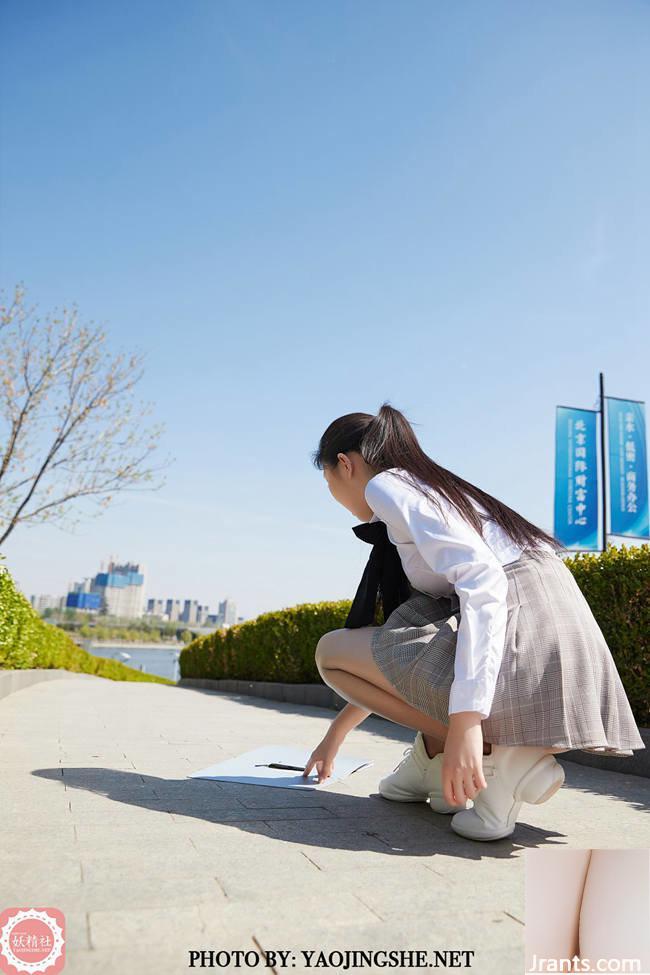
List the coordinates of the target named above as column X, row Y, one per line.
column 319, row 695
column 16, row 680
column 323, row 696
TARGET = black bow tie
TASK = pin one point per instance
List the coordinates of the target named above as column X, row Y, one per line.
column 383, row 577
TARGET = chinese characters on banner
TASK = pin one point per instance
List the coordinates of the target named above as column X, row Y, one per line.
column 628, row 468
column 577, row 474
column 576, row 479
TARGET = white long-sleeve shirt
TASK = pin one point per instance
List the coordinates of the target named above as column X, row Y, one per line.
column 443, row 553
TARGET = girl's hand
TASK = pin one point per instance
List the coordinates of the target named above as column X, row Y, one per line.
column 462, row 760
column 323, row 757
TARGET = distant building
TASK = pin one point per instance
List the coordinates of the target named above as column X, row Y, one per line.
column 119, row 591
column 173, row 610
column 190, row 611
column 122, row 589
column 193, row 613
column 156, row 607
column 80, row 596
column 41, row 603
column 90, row 601
column 228, row 612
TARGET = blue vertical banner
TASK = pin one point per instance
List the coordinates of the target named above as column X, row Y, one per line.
column 576, row 479
column 628, row 468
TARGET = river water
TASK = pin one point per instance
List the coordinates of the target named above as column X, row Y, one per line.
column 162, row 661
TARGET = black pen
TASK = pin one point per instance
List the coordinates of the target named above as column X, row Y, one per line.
column 295, row 768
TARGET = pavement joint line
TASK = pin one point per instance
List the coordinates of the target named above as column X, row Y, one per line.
column 437, row 872
column 377, row 836
column 262, row 952
column 380, row 917
column 313, row 863
column 221, row 887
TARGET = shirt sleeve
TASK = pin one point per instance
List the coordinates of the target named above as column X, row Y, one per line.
column 453, row 548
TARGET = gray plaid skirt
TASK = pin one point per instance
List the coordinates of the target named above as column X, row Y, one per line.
column 558, row 685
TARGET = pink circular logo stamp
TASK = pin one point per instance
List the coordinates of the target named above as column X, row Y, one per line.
column 32, row 940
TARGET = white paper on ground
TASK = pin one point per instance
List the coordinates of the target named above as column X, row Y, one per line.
column 244, row 768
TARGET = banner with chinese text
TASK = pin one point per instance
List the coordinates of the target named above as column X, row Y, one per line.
column 576, row 479
column 628, row 467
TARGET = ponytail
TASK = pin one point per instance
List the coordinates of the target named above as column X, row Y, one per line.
column 388, row 441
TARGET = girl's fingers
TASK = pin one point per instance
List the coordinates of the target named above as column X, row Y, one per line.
column 323, row 769
column 466, row 785
column 313, row 763
column 449, row 789
column 459, row 788
column 446, row 786
column 450, row 795
column 470, row 785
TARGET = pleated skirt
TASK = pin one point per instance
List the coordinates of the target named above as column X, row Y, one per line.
column 558, row 685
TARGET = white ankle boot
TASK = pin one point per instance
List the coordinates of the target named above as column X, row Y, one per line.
column 418, row 778
column 514, row 774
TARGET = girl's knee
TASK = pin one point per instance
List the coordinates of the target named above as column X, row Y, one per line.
column 325, row 649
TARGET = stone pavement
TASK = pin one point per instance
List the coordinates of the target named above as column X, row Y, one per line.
column 100, row 821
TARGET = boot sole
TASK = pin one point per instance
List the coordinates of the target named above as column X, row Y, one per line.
column 483, row 839
column 452, row 810
column 441, row 812
column 404, row 798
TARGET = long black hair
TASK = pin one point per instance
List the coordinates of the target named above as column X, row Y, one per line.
column 387, row 441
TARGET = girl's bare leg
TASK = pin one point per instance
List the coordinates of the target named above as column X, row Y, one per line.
column 553, row 892
column 615, row 911
column 344, row 660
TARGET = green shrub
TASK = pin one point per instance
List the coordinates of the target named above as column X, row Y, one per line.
column 274, row 646
column 616, row 584
column 279, row 646
column 26, row 640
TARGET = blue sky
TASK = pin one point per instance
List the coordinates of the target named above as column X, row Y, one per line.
column 301, row 210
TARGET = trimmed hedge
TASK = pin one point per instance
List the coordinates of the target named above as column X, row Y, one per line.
column 274, row 646
column 616, row 584
column 280, row 645
column 28, row 641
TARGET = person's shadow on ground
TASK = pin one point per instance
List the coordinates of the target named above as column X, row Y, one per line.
column 332, row 820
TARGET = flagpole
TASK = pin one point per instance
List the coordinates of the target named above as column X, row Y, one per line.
column 602, row 457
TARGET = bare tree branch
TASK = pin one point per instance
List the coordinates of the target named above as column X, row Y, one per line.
column 71, row 430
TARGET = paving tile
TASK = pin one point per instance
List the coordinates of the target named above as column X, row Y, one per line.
column 146, row 926
column 104, row 869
